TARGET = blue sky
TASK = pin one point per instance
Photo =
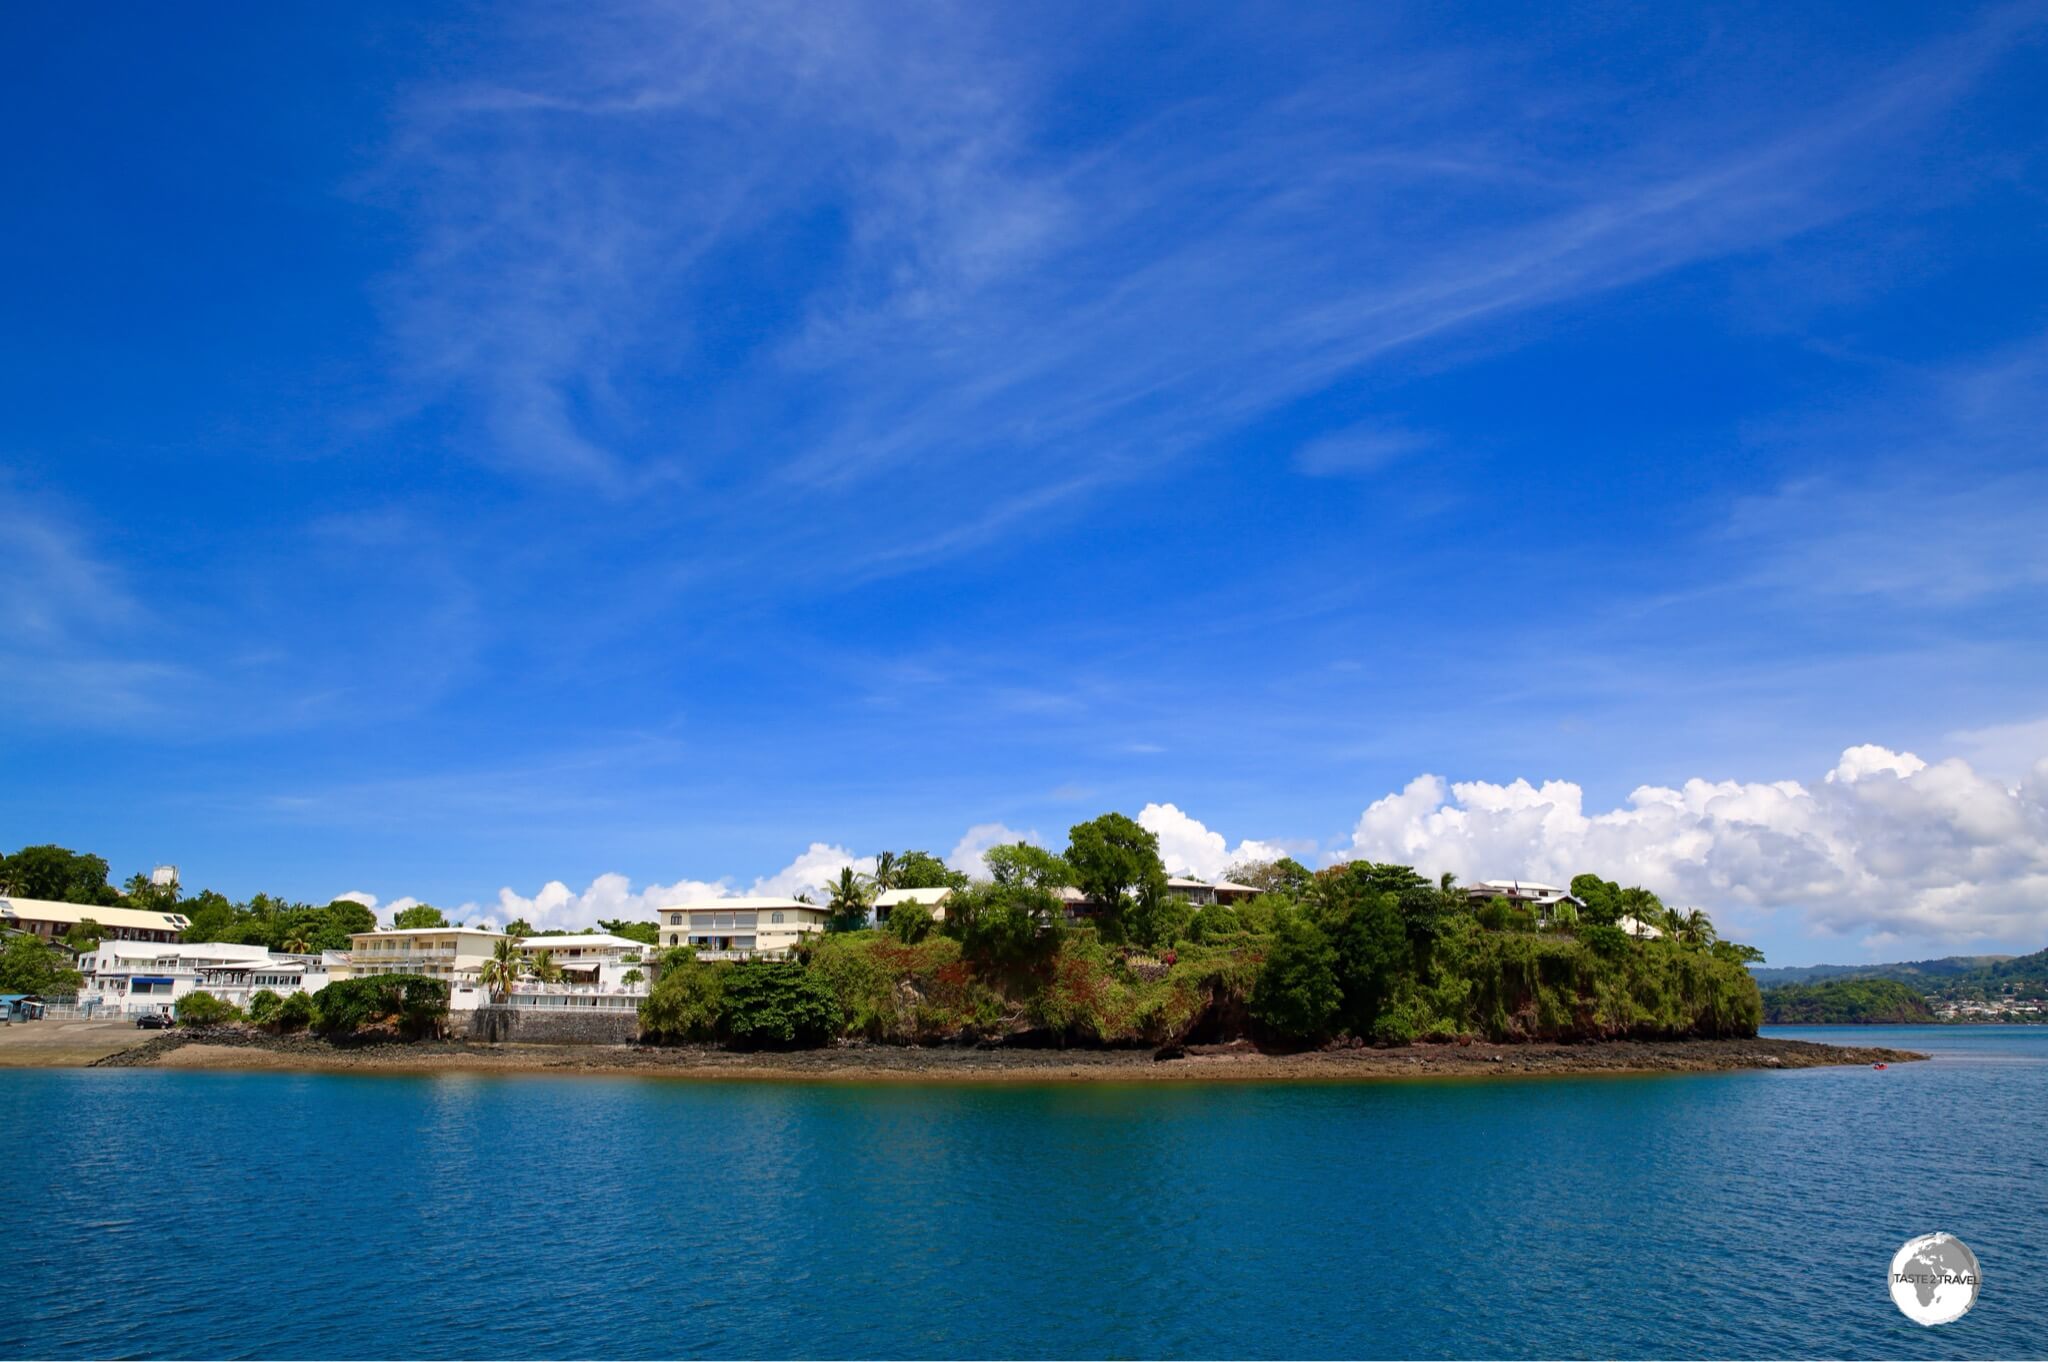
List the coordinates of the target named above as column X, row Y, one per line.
column 452, row 451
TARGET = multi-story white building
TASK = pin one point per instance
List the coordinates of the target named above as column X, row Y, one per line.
column 740, row 928
column 1541, row 899
column 594, row 961
column 129, row 977
column 451, row 953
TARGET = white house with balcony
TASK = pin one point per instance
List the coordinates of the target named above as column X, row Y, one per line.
column 453, row 954
column 125, row 978
column 594, row 962
column 740, row 928
column 1543, row 900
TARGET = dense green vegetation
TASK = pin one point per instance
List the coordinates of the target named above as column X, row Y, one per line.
column 412, row 1005
column 28, row 964
column 1990, row 979
column 1927, row 972
column 1838, row 1001
column 1366, row 951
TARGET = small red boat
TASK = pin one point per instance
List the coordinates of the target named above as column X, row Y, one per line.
column 1880, row 1066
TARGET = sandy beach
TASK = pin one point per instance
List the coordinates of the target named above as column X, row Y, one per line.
column 888, row 1064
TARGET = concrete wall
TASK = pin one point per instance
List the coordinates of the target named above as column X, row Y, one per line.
column 538, row 1026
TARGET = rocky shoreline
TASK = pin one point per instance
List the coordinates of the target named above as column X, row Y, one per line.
column 1240, row 1062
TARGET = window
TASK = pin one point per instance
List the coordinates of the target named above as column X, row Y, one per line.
column 775, row 917
column 675, row 919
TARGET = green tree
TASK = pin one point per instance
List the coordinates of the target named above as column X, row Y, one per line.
column 200, row 1008
column 500, row 974
column 1156, row 918
column 264, row 1005
column 922, row 870
column 632, row 977
column 1361, row 916
column 418, row 916
column 1021, row 863
column 846, row 899
column 544, row 968
column 911, row 922
column 84, row 936
column 780, row 1004
column 518, row 927
column 1601, row 897
column 884, row 876
column 57, row 874
column 1285, row 876
column 1297, row 995
column 646, row 933
column 1000, row 926
column 1112, row 858
column 28, row 964
column 687, row 1001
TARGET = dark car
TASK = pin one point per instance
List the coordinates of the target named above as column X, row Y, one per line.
column 153, row 1021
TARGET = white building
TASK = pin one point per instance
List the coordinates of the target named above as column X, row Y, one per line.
column 1540, row 899
column 595, row 962
column 129, row 977
column 1201, row 893
column 889, row 900
column 455, row 955
column 740, row 928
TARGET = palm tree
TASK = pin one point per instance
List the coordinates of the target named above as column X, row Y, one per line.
column 1642, row 905
column 501, row 972
column 631, row 977
column 296, row 944
column 1694, row 928
column 544, row 967
column 847, row 899
column 884, row 877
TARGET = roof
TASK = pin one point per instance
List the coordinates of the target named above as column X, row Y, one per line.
column 1522, row 886
column 740, row 903
column 896, row 898
column 423, row 931
column 1185, row 882
column 584, row 942
column 1234, row 887
column 129, row 919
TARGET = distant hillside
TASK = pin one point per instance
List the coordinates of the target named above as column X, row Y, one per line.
column 1838, row 1001
column 1916, row 971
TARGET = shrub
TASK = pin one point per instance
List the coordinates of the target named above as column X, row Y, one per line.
column 1493, row 915
column 780, row 1004
column 1521, row 920
column 911, row 923
column 1394, row 1028
column 294, row 1012
column 687, row 1000
column 1297, row 994
column 263, row 1005
column 203, row 1009
column 891, row 991
column 1609, row 943
column 414, row 1004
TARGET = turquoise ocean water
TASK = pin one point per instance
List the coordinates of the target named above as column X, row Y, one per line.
column 1748, row 1215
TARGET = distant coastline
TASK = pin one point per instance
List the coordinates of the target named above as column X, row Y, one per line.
column 960, row 1064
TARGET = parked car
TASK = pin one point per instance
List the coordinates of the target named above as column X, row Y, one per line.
column 153, row 1021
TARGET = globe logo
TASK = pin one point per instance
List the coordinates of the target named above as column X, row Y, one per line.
column 1934, row 1279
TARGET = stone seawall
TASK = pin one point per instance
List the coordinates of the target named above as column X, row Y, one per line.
column 535, row 1026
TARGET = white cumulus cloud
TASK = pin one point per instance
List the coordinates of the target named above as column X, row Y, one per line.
column 969, row 853
column 1187, row 845
column 1883, row 845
